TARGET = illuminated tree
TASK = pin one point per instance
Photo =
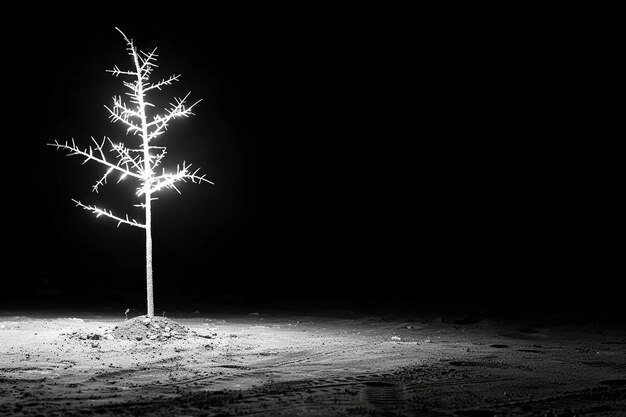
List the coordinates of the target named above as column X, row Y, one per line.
column 140, row 162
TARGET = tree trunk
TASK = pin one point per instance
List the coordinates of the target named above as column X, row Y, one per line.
column 147, row 184
column 149, row 256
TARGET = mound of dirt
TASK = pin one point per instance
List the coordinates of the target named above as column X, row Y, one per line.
column 151, row 328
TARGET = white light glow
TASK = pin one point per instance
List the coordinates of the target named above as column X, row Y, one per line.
column 139, row 162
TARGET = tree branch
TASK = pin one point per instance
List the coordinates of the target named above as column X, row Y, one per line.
column 169, row 180
column 162, row 83
column 129, row 42
column 124, row 111
column 74, row 150
column 123, row 116
column 101, row 181
column 124, row 154
column 124, row 159
column 147, row 63
column 156, row 159
column 99, row 212
column 117, row 72
column 177, row 110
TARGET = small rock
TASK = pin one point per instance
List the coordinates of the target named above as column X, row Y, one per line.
column 109, row 337
column 166, row 334
column 152, row 336
column 428, row 341
column 94, row 344
column 138, row 337
column 146, row 321
column 395, row 338
column 253, row 314
column 168, row 328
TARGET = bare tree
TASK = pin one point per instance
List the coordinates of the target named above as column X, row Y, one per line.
column 140, row 162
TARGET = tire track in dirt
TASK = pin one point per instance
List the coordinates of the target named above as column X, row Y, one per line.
column 129, row 371
column 31, row 373
column 299, row 357
column 308, row 356
column 389, row 397
column 606, row 364
column 370, row 381
column 261, row 367
column 590, row 401
column 365, row 394
column 384, row 395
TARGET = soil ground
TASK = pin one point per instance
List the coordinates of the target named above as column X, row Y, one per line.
column 59, row 364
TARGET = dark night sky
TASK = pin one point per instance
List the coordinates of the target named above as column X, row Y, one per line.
column 353, row 156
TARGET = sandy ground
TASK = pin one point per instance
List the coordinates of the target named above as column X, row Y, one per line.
column 278, row 365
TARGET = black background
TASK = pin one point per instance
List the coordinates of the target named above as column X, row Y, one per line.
column 359, row 158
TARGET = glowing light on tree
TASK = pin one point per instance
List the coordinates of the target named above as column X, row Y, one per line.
column 140, row 162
